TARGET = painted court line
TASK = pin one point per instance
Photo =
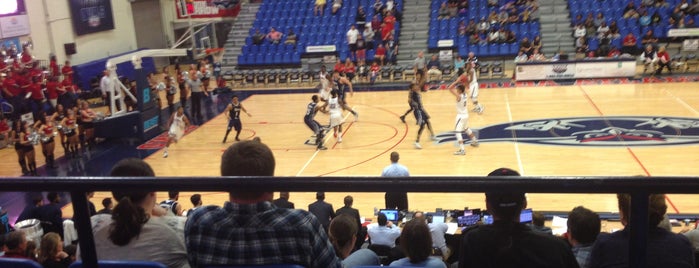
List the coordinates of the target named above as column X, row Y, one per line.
column 519, row 157
column 685, row 104
column 316, row 152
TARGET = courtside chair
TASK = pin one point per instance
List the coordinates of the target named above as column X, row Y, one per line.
column 18, row 263
column 121, row 264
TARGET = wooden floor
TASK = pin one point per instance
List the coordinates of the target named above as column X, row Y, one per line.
column 366, row 145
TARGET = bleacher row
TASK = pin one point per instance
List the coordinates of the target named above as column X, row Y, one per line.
column 613, row 11
column 447, row 29
column 311, row 30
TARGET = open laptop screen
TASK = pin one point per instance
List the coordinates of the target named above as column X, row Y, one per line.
column 391, row 214
column 470, row 220
column 525, row 216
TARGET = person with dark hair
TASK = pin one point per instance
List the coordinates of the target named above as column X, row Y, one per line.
column 50, row 215
column 438, row 231
column 538, row 220
column 354, row 213
column 664, row 249
column 16, row 244
column 385, row 234
column 322, row 210
column 51, row 254
column 249, row 230
column 134, row 230
column 196, row 203
column 507, row 242
column 583, row 228
column 421, row 117
column 233, row 114
column 30, row 210
column 108, row 205
column 311, row 110
column 416, row 242
column 173, row 207
column 177, row 126
column 397, row 200
column 342, row 235
column 283, row 201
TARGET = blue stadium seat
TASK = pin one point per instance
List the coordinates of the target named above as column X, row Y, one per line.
column 256, row 266
column 18, row 263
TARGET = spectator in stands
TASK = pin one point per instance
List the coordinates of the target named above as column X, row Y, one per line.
column 16, row 245
column 602, row 30
column 459, row 64
column 508, row 243
column 655, row 19
column 502, row 17
column 360, row 18
column 391, row 49
column 368, row 35
column 51, row 215
column 475, row 39
column 319, row 7
column 578, row 20
column 434, row 68
column 437, row 232
column 322, row 210
column 290, row 38
column 337, row 4
column 67, row 72
column 352, row 35
column 376, row 27
column 419, row 66
column 283, row 201
column 510, row 37
column 538, row 220
column 645, row 19
column 537, row 56
column 258, row 37
column 416, row 242
column 343, row 236
column 629, row 44
column 630, row 11
column 380, row 54
column 536, row 43
column 599, row 19
column 350, row 68
column 443, row 11
column 493, row 19
column 354, row 214
column 649, row 39
column 363, row 71
column 526, row 46
column 493, row 36
column 137, row 230
column 390, row 21
column 51, row 254
column 453, row 10
column 471, row 27
column 664, row 249
column 378, row 7
column 483, row 26
column 107, row 206
column 374, row 71
column 580, row 31
column 462, row 28
column 580, row 47
column 339, row 67
column 274, row 36
column 664, row 61
column 583, row 228
column 264, row 234
column 614, row 52
column 493, row 3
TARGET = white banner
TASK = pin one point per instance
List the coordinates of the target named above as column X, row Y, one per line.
column 317, row 49
column 683, row 32
column 575, row 70
column 14, row 26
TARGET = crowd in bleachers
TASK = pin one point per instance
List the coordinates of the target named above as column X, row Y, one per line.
column 488, row 28
column 316, row 23
column 253, row 229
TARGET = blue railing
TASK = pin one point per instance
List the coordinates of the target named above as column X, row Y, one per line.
column 638, row 187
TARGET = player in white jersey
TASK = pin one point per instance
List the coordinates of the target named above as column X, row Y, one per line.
column 325, row 87
column 462, row 119
column 178, row 123
column 335, row 108
column 473, row 88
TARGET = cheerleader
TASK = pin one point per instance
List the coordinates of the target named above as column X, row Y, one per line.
column 87, row 117
column 24, row 144
column 46, row 127
column 57, row 117
column 178, row 123
column 70, row 129
column 14, row 137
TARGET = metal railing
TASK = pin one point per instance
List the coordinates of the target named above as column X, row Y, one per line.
column 638, row 187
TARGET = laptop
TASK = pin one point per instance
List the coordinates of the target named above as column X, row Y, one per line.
column 436, row 217
column 525, row 216
column 469, row 220
column 391, row 214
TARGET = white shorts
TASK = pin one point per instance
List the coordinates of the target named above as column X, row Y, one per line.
column 336, row 119
column 324, row 94
column 176, row 132
column 473, row 87
column 461, row 122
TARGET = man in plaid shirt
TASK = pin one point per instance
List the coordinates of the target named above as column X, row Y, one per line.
column 249, row 230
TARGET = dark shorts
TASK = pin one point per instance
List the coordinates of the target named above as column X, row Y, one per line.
column 235, row 124
column 353, row 47
column 421, row 72
column 50, row 140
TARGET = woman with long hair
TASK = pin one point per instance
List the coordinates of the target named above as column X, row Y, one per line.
column 57, row 118
column 69, row 126
column 134, row 230
column 19, row 149
column 46, row 128
column 26, row 146
column 87, row 117
column 51, row 254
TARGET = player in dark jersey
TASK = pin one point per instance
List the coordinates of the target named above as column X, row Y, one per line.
column 421, row 116
column 233, row 113
column 317, row 129
column 340, row 84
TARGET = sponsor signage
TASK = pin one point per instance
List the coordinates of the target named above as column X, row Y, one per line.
column 12, row 26
column 91, row 16
column 575, row 70
column 608, row 131
column 683, row 32
column 321, row 49
column 445, row 43
column 198, row 9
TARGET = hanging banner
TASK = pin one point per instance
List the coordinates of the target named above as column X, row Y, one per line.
column 198, row 9
column 13, row 26
column 91, row 16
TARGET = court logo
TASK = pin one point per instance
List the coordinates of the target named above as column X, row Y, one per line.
column 560, row 68
column 609, row 131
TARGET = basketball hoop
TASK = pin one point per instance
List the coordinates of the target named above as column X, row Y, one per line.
column 210, row 51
